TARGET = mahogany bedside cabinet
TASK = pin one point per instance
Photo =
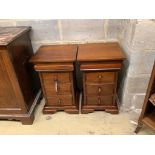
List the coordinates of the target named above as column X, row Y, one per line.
column 19, row 83
column 100, row 64
column 55, row 65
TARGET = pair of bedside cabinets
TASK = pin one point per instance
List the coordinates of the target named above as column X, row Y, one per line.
column 65, row 71
column 79, row 77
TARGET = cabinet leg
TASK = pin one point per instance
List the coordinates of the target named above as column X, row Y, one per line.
column 72, row 111
column 112, row 111
column 27, row 120
column 49, row 111
column 139, row 126
column 86, row 111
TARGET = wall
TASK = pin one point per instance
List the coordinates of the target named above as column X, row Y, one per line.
column 138, row 40
column 136, row 37
column 68, row 31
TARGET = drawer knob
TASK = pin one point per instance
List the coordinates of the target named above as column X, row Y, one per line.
column 100, row 76
column 99, row 89
column 56, row 86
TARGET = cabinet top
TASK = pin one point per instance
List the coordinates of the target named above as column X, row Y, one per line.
column 55, row 53
column 8, row 34
column 100, row 52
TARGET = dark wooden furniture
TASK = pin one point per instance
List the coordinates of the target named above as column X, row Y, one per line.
column 19, row 87
column 100, row 64
column 55, row 64
column 147, row 116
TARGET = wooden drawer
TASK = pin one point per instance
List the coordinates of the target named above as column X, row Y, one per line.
column 100, row 77
column 60, row 77
column 57, row 88
column 60, row 100
column 99, row 100
column 106, row 89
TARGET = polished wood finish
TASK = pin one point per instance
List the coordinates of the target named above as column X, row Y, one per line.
column 99, row 100
column 20, row 89
column 100, row 64
column 100, row 77
column 147, row 116
column 100, row 52
column 56, row 84
column 100, row 89
column 60, row 53
column 55, row 65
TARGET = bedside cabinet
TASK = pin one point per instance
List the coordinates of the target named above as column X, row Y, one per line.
column 55, row 65
column 100, row 64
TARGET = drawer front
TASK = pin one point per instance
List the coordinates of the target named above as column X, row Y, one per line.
column 100, row 77
column 57, row 88
column 99, row 100
column 64, row 77
column 60, row 100
column 100, row 89
column 60, row 77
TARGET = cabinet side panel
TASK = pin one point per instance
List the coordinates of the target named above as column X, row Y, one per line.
column 20, row 52
column 8, row 100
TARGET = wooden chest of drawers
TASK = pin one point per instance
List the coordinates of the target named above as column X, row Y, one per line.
column 19, row 83
column 100, row 64
column 55, row 64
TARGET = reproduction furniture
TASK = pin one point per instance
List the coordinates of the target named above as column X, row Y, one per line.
column 147, row 116
column 100, row 64
column 19, row 83
column 55, row 65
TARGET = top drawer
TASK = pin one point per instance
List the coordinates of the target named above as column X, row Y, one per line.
column 100, row 77
column 60, row 77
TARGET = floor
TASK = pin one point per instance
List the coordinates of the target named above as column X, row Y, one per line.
column 97, row 123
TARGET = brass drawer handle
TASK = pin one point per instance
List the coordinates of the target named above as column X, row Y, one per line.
column 56, row 86
column 100, row 76
column 99, row 89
